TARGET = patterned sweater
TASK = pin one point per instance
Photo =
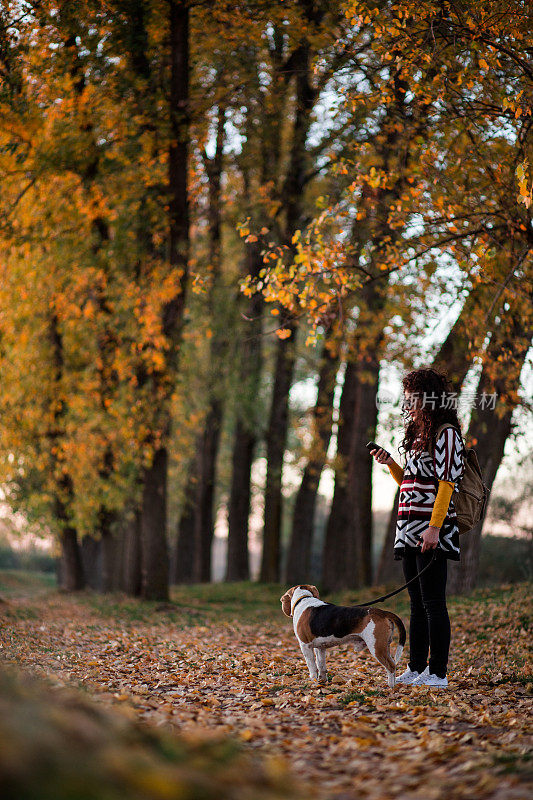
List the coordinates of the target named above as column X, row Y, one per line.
column 427, row 482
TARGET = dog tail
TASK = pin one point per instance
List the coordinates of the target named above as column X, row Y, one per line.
column 396, row 620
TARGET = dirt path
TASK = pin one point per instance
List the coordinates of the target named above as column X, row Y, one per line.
column 352, row 739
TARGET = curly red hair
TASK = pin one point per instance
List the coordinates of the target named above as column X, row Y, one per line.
column 435, row 402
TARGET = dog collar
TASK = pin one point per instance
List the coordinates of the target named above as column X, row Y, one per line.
column 300, row 598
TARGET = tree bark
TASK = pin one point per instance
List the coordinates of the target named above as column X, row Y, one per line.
column 90, row 552
column 335, row 543
column 131, row 572
column 354, row 520
column 72, row 578
column 292, row 199
column 209, row 441
column 107, row 579
column 276, row 439
column 183, row 571
column 489, row 429
column 109, row 563
column 71, row 569
column 454, row 355
column 359, row 535
column 490, row 433
column 251, row 362
column 245, row 437
column 271, row 113
column 154, row 527
column 299, row 555
column 351, row 520
column 238, row 566
column 389, row 569
column 154, row 550
column 348, row 545
column 153, row 524
column 204, row 522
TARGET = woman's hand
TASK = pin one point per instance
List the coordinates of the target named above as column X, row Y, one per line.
column 381, row 456
column 430, row 539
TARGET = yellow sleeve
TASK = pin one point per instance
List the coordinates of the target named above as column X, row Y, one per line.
column 396, row 471
column 442, row 501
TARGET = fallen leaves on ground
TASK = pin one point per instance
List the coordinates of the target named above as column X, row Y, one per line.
column 55, row 745
column 351, row 738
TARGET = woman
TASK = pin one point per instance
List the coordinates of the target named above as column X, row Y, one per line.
column 426, row 517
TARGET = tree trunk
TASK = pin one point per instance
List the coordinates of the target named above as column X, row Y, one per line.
column 292, row 199
column 271, row 112
column 488, row 431
column 351, row 519
column 389, row 569
column 348, row 546
column 204, row 528
column 335, row 543
column 238, row 568
column 90, row 552
column 153, row 524
column 72, row 579
column 299, row 555
column 454, row 355
column 209, row 441
column 107, row 580
column 70, row 571
column 131, row 572
column 109, row 562
column 183, row 571
column 154, row 550
column 276, row 440
column 358, row 562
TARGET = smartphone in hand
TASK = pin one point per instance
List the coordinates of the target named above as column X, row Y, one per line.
column 373, row 446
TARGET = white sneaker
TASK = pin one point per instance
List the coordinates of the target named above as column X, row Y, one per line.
column 430, row 680
column 409, row 676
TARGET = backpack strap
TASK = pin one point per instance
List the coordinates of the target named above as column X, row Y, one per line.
column 439, row 431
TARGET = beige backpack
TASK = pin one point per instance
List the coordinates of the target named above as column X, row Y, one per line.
column 470, row 499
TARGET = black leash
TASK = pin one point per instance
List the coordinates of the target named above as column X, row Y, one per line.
column 396, row 591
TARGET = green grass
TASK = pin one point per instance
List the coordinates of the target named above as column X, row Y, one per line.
column 26, row 612
column 361, row 697
column 198, row 604
column 230, row 603
column 190, row 605
column 14, row 582
column 514, row 762
column 201, row 604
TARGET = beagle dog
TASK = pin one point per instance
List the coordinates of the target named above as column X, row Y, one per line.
column 318, row 625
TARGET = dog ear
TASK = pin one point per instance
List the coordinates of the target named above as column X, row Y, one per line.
column 286, row 602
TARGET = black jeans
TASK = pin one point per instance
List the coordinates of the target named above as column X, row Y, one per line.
column 429, row 626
